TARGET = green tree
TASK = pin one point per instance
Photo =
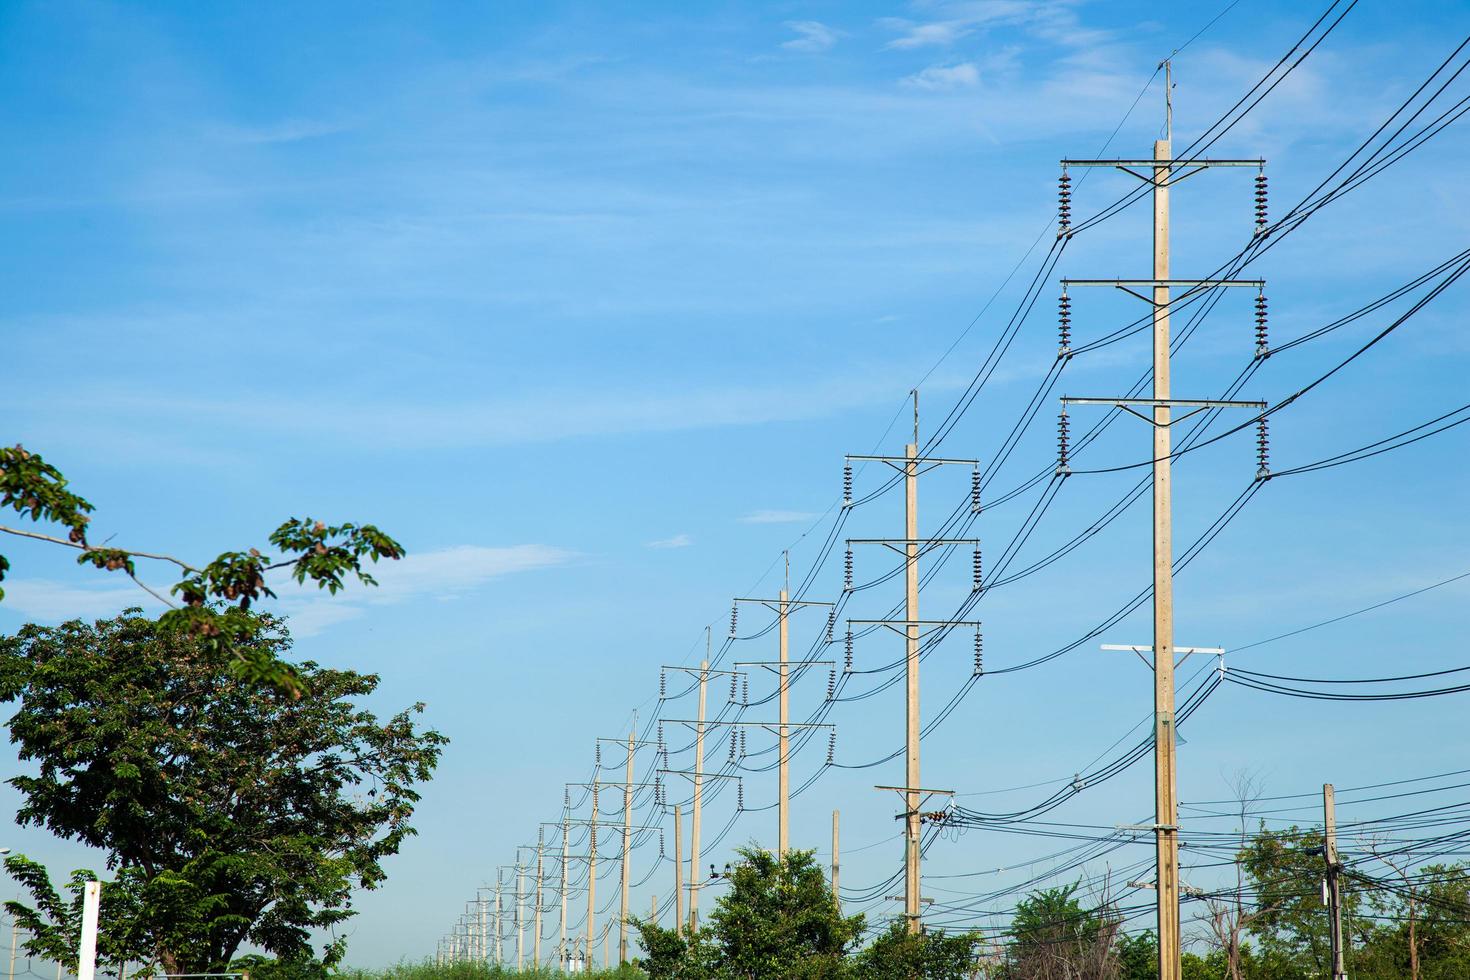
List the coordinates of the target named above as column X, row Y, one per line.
column 214, row 598
column 932, row 955
column 1422, row 925
column 1055, row 938
column 778, row 919
column 1138, row 956
column 229, row 812
column 1285, row 871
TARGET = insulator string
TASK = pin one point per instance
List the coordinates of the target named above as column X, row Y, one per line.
column 1063, row 469
column 1064, row 326
column 1064, row 205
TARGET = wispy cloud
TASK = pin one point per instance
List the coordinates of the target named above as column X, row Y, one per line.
column 446, row 573
column 812, row 36
column 461, row 567
column 777, row 517
column 944, row 78
column 1050, row 20
column 936, row 33
column 47, row 601
column 677, row 541
column 540, row 415
column 442, row 574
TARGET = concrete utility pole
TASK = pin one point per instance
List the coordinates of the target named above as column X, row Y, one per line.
column 519, row 919
column 783, row 607
column 627, row 850
column 911, row 546
column 481, row 948
column 783, row 714
column 87, row 949
column 1334, row 883
column 704, row 674
column 678, row 872
column 592, row 874
column 1161, row 172
column 627, row 826
column 536, row 936
column 836, row 900
column 499, row 872
column 698, row 787
column 564, row 954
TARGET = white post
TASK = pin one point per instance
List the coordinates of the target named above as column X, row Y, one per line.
column 87, row 953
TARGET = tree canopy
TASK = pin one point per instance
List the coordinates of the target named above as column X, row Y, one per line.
column 778, row 918
column 229, row 812
column 214, row 598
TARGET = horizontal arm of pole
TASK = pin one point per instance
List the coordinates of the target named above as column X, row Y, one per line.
column 1163, row 402
column 1257, row 283
column 1195, row 406
column 746, row 724
column 1148, row 648
column 893, row 541
column 1181, row 162
column 697, row 671
column 702, row 775
column 914, row 459
column 914, row 622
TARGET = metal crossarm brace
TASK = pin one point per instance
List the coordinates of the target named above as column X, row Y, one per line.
column 1190, row 286
column 1198, row 405
column 768, row 725
column 920, row 464
column 697, row 671
column 899, row 625
column 690, row 774
column 1188, row 167
column 925, row 545
column 789, row 603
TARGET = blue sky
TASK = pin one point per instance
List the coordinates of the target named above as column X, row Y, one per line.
column 585, row 303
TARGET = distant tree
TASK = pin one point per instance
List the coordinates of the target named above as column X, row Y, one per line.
column 930, row 955
column 229, row 812
column 1284, row 870
column 1230, row 912
column 1422, row 930
column 777, row 919
column 1138, row 956
column 1055, row 938
column 214, row 599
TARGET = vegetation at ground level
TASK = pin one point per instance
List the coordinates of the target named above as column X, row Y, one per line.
column 230, row 814
column 430, row 970
column 777, row 919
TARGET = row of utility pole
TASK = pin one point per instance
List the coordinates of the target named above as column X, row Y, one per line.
column 1162, row 292
column 576, row 953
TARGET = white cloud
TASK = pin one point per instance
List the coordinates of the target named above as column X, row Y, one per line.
column 939, row 33
column 812, row 36
column 677, row 541
column 47, row 601
column 777, row 517
column 1049, row 20
column 460, row 568
column 443, row 574
column 944, row 78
